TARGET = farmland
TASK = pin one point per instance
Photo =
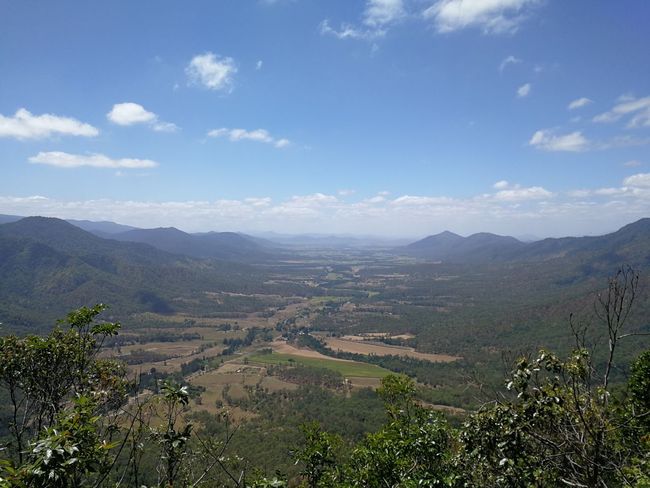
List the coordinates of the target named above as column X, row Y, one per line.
column 359, row 315
column 368, row 347
column 349, row 369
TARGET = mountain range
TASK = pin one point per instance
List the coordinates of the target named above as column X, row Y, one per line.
column 228, row 246
column 49, row 266
column 630, row 244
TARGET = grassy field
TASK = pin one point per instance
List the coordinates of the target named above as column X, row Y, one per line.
column 346, row 368
column 321, row 300
column 365, row 347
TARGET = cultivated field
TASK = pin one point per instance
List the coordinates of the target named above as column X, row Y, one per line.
column 229, row 383
column 348, row 369
column 365, row 347
column 284, row 347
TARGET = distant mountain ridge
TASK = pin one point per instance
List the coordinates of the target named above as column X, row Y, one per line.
column 6, row 219
column 228, row 246
column 631, row 243
column 450, row 247
column 101, row 228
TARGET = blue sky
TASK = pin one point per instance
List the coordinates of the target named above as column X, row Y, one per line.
column 388, row 117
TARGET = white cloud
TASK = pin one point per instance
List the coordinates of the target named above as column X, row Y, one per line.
column 492, row 16
column 579, row 103
column 508, row 192
column 258, row 202
column 378, row 16
column 66, row 160
column 129, row 113
column 608, row 192
column 382, row 12
column 508, row 61
column 375, row 199
column 313, row 199
column 518, row 193
column 548, row 141
column 212, row 71
column 25, row 125
column 257, row 135
column 523, row 90
column 348, row 31
column 637, row 108
column 258, row 65
column 641, row 180
column 412, row 200
column 346, row 192
column 165, row 127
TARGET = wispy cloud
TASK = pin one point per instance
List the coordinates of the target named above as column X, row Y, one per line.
column 379, row 13
column 508, row 192
column 517, row 193
column 507, row 62
column 212, row 71
column 257, row 135
column 637, row 109
column 348, row 31
column 634, row 163
column 492, row 16
column 524, row 90
column 579, row 103
column 378, row 16
column 25, row 125
column 549, row 141
column 129, row 113
column 66, row 160
column 165, row 127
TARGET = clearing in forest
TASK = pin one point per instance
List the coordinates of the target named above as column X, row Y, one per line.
column 346, row 368
column 364, row 347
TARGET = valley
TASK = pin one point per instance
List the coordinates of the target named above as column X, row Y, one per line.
column 308, row 333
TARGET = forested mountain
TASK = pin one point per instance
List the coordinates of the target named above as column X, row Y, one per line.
column 629, row 244
column 218, row 245
column 451, row 247
column 101, row 228
column 48, row 266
